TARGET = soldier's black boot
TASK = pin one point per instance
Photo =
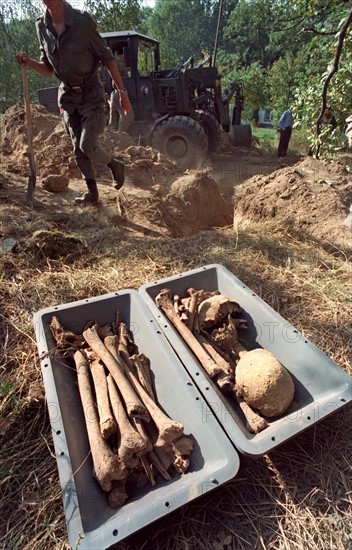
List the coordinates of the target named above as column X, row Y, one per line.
column 91, row 196
column 118, row 173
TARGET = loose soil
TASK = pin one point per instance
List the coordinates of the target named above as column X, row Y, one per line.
column 236, row 185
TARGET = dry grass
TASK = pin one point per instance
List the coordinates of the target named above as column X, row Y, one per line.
column 298, row 497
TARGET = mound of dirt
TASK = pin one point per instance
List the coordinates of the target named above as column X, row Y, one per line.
column 158, row 196
column 52, row 146
column 53, row 149
column 187, row 205
column 312, row 196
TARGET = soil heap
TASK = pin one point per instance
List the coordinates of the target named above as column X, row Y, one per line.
column 158, row 195
column 312, row 197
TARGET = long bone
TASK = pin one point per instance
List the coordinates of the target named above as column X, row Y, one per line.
column 134, row 405
column 107, row 466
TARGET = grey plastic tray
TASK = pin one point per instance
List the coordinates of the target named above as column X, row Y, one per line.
column 321, row 386
column 91, row 523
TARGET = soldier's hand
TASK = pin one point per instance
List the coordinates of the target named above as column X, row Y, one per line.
column 22, row 58
column 125, row 103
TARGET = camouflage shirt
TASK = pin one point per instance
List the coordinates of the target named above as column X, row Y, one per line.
column 76, row 53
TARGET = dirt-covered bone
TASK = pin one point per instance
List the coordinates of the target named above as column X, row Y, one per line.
column 148, row 470
column 164, row 302
column 169, row 430
column 133, row 404
column 226, row 335
column 215, row 309
column 131, row 444
column 107, row 422
column 264, row 383
column 142, row 369
column 107, row 466
column 221, row 370
column 117, row 496
column 254, row 422
column 193, row 305
column 65, row 338
column 226, row 366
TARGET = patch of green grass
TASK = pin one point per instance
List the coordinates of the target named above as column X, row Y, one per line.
column 267, row 137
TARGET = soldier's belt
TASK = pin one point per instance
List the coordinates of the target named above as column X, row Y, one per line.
column 80, row 89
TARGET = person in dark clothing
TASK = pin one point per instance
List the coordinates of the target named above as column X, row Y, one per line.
column 72, row 50
column 285, row 131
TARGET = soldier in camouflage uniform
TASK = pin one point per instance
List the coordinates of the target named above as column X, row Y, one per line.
column 72, row 50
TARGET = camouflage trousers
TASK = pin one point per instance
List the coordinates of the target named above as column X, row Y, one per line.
column 84, row 130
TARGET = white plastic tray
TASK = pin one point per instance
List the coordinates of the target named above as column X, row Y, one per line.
column 91, row 523
column 321, row 386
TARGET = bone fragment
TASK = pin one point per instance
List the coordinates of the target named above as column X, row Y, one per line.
column 142, row 369
column 169, row 430
column 148, row 470
column 117, row 496
column 107, row 466
column 159, row 465
column 193, row 305
column 255, row 422
column 126, row 345
column 139, row 426
column 64, row 338
column 176, row 303
column 224, row 365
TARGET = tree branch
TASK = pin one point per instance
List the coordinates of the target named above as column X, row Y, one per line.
column 320, row 33
column 340, row 40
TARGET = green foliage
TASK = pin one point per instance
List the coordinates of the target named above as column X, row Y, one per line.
column 339, row 97
column 115, row 16
column 308, row 106
column 17, row 33
column 248, row 30
column 185, row 28
column 253, row 78
column 286, row 77
column 262, row 30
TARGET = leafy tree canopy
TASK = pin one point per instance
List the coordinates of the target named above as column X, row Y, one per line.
column 115, row 16
column 185, row 28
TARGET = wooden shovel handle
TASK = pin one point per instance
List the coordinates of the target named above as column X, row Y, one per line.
column 27, row 104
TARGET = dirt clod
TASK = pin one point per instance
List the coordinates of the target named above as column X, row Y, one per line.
column 55, row 184
column 54, row 244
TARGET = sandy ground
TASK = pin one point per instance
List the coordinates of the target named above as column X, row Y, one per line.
column 235, row 185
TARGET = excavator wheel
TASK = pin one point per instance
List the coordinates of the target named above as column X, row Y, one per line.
column 241, row 134
column 182, row 140
column 212, row 129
